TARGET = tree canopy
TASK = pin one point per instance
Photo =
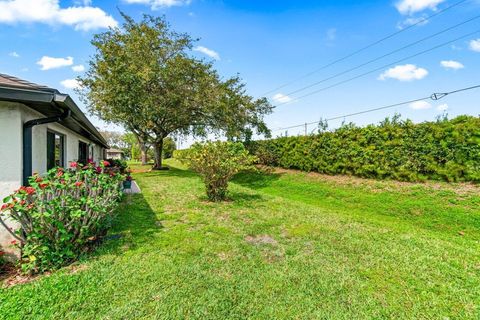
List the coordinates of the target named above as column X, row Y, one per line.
column 143, row 77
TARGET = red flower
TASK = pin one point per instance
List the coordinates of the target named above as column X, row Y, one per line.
column 13, row 242
column 78, row 183
column 38, row 179
column 22, row 202
column 30, row 190
column 106, row 163
column 43, row 185
column 4, row 206
column 73, row 164
column 59, row 173
column 98, row 169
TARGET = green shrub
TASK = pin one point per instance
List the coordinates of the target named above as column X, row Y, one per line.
column 61, row 214
column 396, row 149
column 117, row 163
column 217, row 162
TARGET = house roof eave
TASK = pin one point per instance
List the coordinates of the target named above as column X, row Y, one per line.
column 39, row 99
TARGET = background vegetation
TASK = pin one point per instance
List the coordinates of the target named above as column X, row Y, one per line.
column 397, row 149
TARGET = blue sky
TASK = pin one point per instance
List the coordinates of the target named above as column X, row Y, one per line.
column 270, row 43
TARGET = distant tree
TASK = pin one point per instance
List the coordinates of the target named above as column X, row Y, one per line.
column 169, row 146
column 132, row 148
column 143, row 78
column 114, row 139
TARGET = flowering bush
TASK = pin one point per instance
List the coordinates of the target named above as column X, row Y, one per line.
column 217, row 162
column 61, row 214
column 121, row 165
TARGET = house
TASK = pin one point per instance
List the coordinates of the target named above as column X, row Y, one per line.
column 114, row 154
column 40, row 128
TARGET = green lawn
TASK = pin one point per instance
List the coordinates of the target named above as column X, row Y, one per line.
column 288, row 246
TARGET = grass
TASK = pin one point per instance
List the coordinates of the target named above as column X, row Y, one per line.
column 287, row 246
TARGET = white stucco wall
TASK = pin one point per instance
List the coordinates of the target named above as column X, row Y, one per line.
column 10, row 147
column 39, row 150
column 10, row 161
column 12, row 117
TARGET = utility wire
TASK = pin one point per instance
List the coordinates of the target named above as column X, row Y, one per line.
column 421, row 21
column 434, row 96
column 382, row 67
column 383, row 56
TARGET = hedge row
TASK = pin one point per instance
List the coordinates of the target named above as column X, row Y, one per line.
column 394, row 149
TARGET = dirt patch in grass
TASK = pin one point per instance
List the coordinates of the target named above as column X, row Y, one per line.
column 12, row 276
column 261, row 239
column 74, row 268
column 374, row 185
column 15, row 277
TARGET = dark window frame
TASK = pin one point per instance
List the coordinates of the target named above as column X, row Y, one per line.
column 51, row 163
column 82, row 148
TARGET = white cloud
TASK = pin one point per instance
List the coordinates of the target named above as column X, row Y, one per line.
column 407, row 72
column 475, row 45
column 281, row 98
column 48, row 63
column 421, row 21
column 420, row 105
column 212, row 54
column 14, row 54
column 451, row 64
column 331, row 34
column 70, row 83
column 442, row 107
column 413, row 6
column 157, row 4
column 49, row 12
column 78, row 68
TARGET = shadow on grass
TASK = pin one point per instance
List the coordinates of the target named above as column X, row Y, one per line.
column 135, row 224
column 173, row 172
column 256, row 179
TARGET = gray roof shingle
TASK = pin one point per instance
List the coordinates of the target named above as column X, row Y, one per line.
column 11, row 81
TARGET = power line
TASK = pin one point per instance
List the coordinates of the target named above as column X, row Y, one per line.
column 421, row 21
column 382, row 67
column 383, row 56
column 434, row 96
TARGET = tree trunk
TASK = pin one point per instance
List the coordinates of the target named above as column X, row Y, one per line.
column 143, row 153
column 157, row 151
column 143, row 148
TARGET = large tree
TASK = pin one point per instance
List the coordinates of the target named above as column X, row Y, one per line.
column 142, row 76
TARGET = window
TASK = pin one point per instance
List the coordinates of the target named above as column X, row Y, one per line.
column 55, row 150
column 91, row 155
column 82, row 152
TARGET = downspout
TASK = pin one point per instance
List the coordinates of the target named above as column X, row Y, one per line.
column 27, row 140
